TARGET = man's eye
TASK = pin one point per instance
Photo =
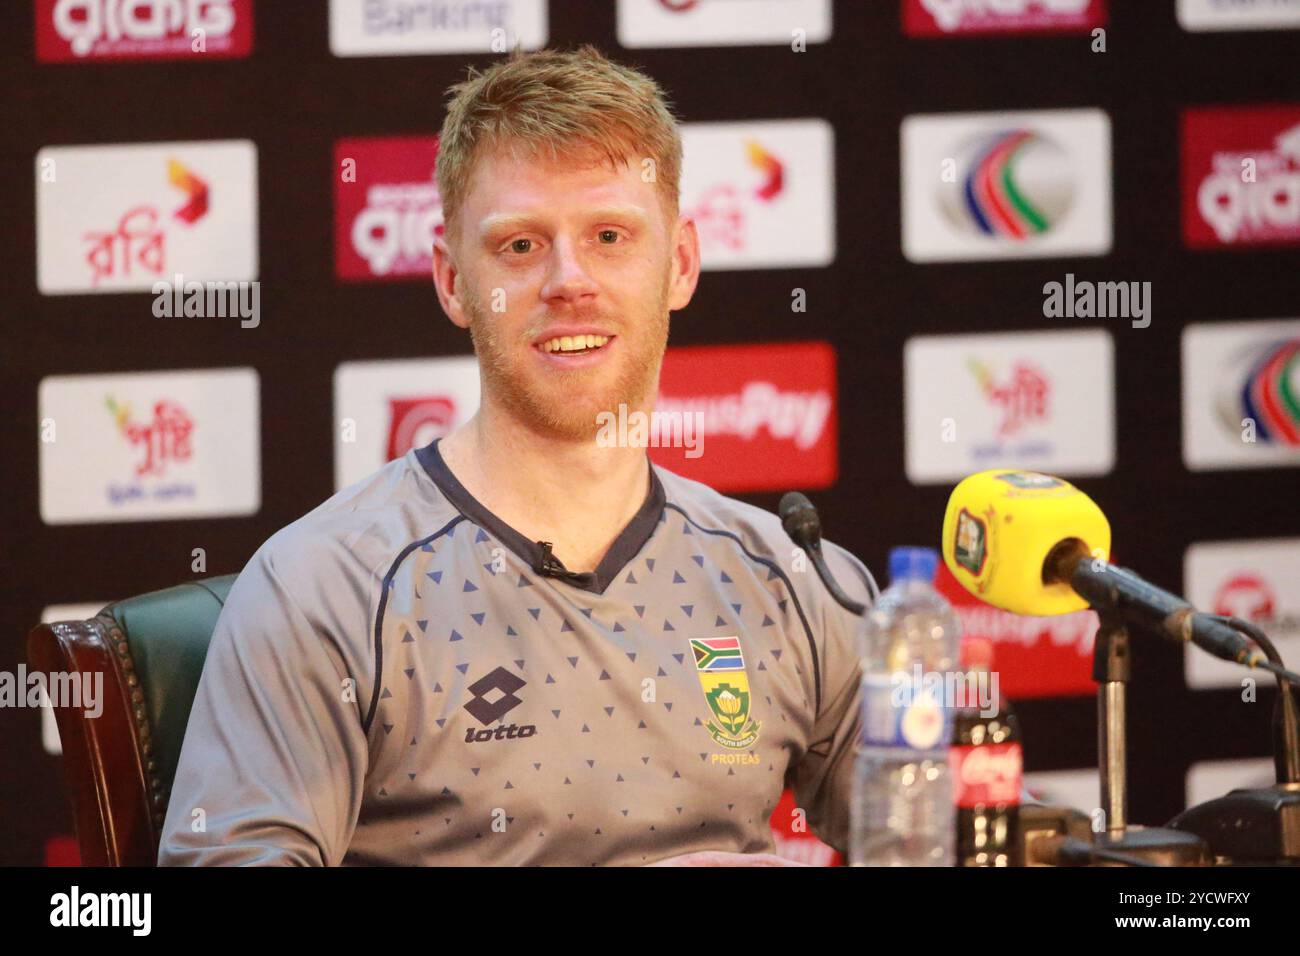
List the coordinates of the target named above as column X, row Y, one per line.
column 608, row 236
column 522, row 245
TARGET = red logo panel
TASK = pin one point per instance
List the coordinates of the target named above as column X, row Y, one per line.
column 1241, row 176
column 767, row 415
column 79, row 31
column 795, row 841
column 387, row 209
column 941, row 18
column 1034, row 656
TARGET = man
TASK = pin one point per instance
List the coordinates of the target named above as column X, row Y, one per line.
column 520, row 645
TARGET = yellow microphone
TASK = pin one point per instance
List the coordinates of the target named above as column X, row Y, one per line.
column 1033, row 544
column 1002, row 525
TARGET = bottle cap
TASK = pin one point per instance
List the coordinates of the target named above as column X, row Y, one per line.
column 912, row 564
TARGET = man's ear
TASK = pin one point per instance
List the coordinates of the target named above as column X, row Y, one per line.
column 445, row 275
column 686, row 264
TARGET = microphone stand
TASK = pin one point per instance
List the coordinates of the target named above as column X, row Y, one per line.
column 1260, row 825
column 1111, row 669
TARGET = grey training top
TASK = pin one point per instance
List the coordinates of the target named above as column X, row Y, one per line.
column 398, row 677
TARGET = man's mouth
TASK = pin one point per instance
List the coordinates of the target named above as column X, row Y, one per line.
column 574, row 344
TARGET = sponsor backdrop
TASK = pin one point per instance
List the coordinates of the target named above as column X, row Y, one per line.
column 938, row 235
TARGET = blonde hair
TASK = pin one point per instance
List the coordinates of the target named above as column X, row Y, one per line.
column 558, row 101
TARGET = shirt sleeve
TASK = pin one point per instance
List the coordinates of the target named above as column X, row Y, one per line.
column 273, row 765
column 823, row 780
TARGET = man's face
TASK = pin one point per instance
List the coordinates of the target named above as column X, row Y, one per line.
column 564, row 273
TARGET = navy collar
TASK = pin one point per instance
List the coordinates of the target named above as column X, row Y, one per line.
column 537, row 553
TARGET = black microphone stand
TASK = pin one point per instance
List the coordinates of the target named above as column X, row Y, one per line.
column 1257, row 825
column 1244, row 826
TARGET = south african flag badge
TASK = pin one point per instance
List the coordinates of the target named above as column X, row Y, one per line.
column 721, row 668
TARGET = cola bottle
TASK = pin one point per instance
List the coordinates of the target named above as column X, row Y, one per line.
column 986, row 766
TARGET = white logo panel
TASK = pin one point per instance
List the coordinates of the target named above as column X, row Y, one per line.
column 383, row 409
column 398, row 27
column 677, row 23
column 1080, row 789
column 120, row 218
column 1211, row 779
column 1257, row 581
column 1202, row 15
column 1241, row 394
column 762, row 194
column 1006, row 185
column 1037, row 400
column 150, row 445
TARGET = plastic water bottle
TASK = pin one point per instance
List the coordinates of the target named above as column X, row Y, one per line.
column 903, row 812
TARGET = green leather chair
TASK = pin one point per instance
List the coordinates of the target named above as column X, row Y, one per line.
column 119, row 766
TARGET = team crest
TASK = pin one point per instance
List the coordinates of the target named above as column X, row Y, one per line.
column 721, row 667
column 971, row 547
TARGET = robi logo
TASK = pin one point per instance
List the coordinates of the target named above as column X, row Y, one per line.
column 502, row 682
column 1246, row 596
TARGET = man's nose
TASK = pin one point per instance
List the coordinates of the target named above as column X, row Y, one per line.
column 567, row 277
